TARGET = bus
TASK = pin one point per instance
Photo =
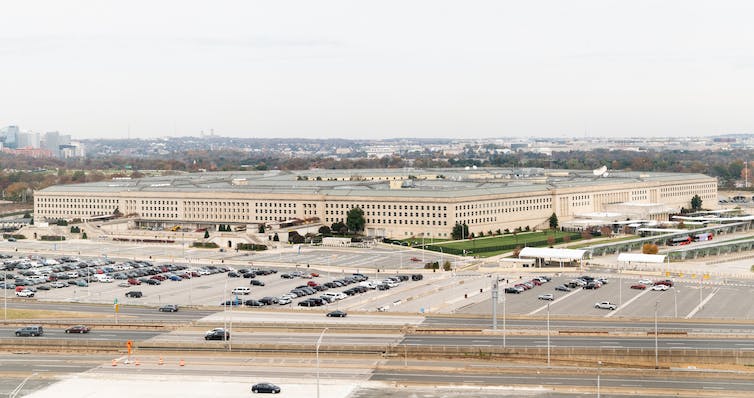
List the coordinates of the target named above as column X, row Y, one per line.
column 703, row 237
column 680, row 241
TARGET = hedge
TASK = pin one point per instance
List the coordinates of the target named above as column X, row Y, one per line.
column 206, row 245
column 250, row 246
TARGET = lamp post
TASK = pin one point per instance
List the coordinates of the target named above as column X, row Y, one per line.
column 504, row 332
column 319, row 341
column 599, row 367
column 675, row 301
column 548, row 334
column 656, row 353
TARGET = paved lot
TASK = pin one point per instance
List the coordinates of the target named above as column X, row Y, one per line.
column 718, row 300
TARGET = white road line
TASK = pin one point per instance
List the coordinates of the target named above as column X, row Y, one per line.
column 645, row 291
column 701, row 305
column 544, row 307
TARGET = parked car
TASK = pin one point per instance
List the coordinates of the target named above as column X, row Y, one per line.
column 660, row 287
column 284, row 300
column 25, row 293
column 169, row 308
column 639, row 286
column 134, row 294
column 266, row 388
column 546, row 296
column 417, row 277
column 337, row 314
column 30, row 331
column 256, row 282
column 512, row 290
column 606, row 305
column 645, row 281
column 78, row 329
column 666, row 282
column 253, row 303
column 562, row 288
column 269, row 300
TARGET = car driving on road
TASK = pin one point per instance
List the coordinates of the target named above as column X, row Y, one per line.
column 266, row 388
column 169, row 308
column 78, row 329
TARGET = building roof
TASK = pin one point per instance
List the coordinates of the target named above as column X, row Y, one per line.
column 641, row 258
column 429, row 183
column 559, row 254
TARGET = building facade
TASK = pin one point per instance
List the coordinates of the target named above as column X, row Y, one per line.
column 397, row 203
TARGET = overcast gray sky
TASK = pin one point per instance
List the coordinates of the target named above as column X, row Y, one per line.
column 377, row 69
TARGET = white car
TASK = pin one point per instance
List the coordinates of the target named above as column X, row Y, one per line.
column 284, row 300
column 645, row 281
column 547, row 296
column 606, row 305
column 661, row 288
column 25, row 293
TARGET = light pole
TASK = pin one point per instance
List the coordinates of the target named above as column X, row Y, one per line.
column 675, row 301
column 656, row 354
column 548, row 334
column 504, row 332
column 495, row 282
column 5, row 295
column 319, row 341
column 599, row 367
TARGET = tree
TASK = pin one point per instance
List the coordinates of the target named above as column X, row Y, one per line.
column 355, row 220
column 458, row 231
column 276, row 238
column 261, row 228
column 324, row 230
column 553, row 221
column 696, row 203
column 339, row 227
column 295, row 237
column 27, row 215
column 206, row 234
column 649, row 248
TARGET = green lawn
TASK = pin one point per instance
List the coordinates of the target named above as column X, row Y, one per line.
column 501, row 240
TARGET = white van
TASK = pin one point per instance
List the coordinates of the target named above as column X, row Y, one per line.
column 242, row 290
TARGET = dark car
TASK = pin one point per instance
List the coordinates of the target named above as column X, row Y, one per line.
column 233, row 275
column 337, row 314
column 217, row 334
column 562, row 288
column 286, row 276
column 417, row 277
column 269, row 300
column 78, row 329
column 266, row 388
column 512, row 290
column 256, row 282
column 134, row 294
column 249, row 275
column 30, row 331
column 253, row 303
column 169, row 308
column 152, row 282
column 666, row 282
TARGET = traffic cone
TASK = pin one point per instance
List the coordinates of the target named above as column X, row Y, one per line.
column 115, row 362
column 181, row 363
column 160, row 362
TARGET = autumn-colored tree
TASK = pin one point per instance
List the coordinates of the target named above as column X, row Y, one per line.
column 649, row 248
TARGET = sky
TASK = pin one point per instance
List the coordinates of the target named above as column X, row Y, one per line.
column 377, row 69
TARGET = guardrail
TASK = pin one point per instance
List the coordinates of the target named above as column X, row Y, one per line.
column 618, row 357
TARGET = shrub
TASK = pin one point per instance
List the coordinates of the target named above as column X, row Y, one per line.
column 52, row 238
column 649, row 248
column 250, row 246
column 205, row 245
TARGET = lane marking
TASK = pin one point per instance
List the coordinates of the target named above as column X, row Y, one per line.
column 701, row 305
column 544, row 307
column 643, row 292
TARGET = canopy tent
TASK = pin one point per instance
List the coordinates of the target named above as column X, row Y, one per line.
column 641, row 258
column 549, row 254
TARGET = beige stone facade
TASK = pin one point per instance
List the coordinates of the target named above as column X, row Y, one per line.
column 429, row 207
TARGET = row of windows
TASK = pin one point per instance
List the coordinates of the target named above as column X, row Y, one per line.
column 349, row 206
column 44, row 199
column 390, row 221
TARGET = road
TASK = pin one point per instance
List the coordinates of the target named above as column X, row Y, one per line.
column 542, row 377
column 579, row 341
column 125, row 311
column 559, row 324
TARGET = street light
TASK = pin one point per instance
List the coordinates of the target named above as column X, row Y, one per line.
column 319, row 341
column 656, row 354
column 599, row 367
column 675, row 301
column 548, row 334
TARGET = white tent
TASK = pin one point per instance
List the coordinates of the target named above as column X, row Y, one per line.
column 559, row 255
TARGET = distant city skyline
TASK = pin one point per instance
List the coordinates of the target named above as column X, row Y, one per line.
column 349, row 69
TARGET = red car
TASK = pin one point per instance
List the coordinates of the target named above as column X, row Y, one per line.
column 536, row 282
column 415, row 259
column 133, row 281
column 666, row 282
column 158, row 277
column 639, row 286
column 311, row 283
column 314, row 274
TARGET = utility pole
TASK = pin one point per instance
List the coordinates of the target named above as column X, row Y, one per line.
column 656, row 354
column 548, row 334
column 495, row 293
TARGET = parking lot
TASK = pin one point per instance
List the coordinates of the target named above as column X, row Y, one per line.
column 683, row 300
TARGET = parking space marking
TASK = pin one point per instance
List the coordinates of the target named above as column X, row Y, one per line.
column 701, row 305
column 643, row 292
column 544, row 307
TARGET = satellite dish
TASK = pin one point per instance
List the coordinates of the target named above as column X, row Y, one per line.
column 600, row 171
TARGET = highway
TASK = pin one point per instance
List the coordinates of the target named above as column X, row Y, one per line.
column 575, row 324
column 125, row 311
column 542, row 377
column 582, row 341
